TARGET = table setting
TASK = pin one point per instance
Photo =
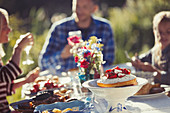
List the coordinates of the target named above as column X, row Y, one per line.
column 97, row 97
column 78, row 90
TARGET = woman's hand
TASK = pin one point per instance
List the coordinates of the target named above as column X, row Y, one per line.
column 24, row 40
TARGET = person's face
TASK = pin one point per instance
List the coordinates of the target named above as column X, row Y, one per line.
column 164, row 33
column 5, row 31
column 84, row 9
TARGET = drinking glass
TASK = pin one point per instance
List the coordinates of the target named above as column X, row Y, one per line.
column 75, row 82
column 28, row 60
column 75, row 33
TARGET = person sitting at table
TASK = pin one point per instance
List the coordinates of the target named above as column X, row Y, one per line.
column 55, row 55
column 158, row 58
column 9, row 72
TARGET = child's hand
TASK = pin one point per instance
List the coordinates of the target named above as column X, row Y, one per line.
column 32, row 75
column 24, row 40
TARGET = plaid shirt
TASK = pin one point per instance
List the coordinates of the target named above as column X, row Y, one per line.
column 57, row 39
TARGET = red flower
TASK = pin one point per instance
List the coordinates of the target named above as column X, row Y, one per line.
column 84, row 47
column 84, row 64
column 86, row 54
column 73, row 39
column 92, row 54
column 76, row 58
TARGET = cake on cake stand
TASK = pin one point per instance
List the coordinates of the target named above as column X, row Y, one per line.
column 115, row 97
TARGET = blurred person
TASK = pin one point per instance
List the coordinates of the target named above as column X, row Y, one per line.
column 157, row 59
column 55, row 55
column 10, row 71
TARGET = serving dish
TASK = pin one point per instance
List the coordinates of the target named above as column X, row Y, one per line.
column 115, row 96
column 76, row 106
column 44, row 98
column 166, row 90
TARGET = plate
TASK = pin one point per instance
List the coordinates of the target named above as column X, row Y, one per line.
column 76, row 104
column 22, row 106
column 151, row 95
column 63, row 82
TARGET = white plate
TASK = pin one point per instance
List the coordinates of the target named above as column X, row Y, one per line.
column 151, row 95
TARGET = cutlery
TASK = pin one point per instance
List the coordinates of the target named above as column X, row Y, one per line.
column 127, row 55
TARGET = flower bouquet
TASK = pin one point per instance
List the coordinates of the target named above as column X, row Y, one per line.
column 89, row 58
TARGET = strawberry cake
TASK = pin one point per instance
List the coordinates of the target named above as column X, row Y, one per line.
column 117, row 77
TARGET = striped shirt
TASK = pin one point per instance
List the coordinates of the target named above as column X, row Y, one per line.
column 8, row 73
column 50, row 58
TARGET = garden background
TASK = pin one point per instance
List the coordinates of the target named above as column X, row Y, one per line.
column 131, row 21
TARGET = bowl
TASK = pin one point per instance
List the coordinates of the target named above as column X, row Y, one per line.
column 115, row 96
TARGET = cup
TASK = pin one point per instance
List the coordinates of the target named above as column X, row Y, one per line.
column 75, row 33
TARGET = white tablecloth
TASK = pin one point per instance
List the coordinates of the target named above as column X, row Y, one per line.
column 157, row 104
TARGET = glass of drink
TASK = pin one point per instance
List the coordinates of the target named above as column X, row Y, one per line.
column 28, row 60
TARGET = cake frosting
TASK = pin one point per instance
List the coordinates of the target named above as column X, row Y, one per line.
column 117, row 77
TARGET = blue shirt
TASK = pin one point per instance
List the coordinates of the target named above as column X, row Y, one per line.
column 57, row 39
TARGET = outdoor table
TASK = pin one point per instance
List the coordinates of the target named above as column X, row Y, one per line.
column 149, row 104
column 159, row 103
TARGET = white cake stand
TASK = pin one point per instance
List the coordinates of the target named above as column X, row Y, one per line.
column 115, row 96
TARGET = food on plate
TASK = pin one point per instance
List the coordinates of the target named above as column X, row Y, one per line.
column 46, row 98
column 150, row 89
column 117, row 77
column 156, row 90
column 67, row 109
column 48, row 84
column 55, row 110
column 72, row 106
column 25, row 105
column 46, row 111
column 54, row 79
column 63, row 90
column 145, row 89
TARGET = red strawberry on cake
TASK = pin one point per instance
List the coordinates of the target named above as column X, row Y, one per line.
column 117, row 77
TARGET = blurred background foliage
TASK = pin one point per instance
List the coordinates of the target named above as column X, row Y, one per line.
column 132, row 26
column 131, row 22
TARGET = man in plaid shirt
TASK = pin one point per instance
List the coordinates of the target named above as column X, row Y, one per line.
column 55, row 55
